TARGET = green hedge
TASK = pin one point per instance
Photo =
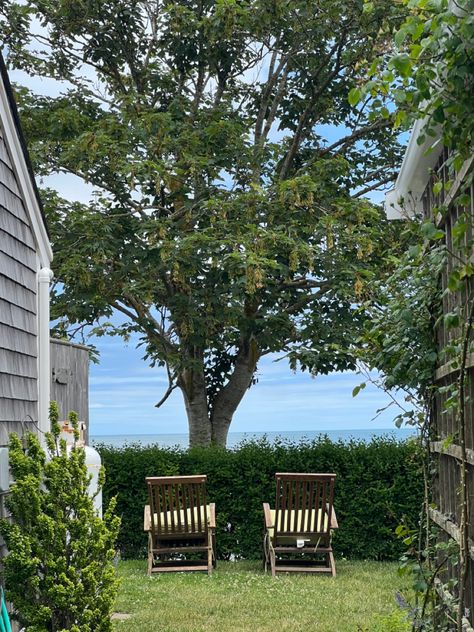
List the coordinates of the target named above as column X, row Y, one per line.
column 378, row 483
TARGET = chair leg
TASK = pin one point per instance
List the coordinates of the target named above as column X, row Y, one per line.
column 209, row 559
column 332, row 564
column 214, row 551
column 269, row 555
column 273, row 562
column 266, row 552
column 150, row 554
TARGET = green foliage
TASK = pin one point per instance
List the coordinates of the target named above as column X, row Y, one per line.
column 225, row 225
column 429, row 311
column 377, row 484
column 400, row 338
column 426, row 563
column 58, row 571
column 431, row 74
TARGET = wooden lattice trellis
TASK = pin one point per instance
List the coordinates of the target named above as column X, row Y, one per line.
column 445, row 448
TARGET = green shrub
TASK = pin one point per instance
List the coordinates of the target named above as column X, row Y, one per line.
column 377, row 484
column 58, row 571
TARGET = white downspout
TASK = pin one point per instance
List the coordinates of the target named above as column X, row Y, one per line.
column 44, row 368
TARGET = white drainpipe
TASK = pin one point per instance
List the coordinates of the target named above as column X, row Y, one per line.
column 44, row 368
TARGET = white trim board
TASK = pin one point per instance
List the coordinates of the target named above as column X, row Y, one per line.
column 404, row 200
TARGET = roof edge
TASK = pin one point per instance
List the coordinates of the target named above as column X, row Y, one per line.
column 22, row 163
column 404, row 200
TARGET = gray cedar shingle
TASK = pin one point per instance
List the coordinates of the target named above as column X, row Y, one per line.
column 12, row 413
column 8, row 178
column 4, row 153
column 17, row 317
column 14, row 293
column 16, row 340
column 72, row 392
column 13, row 203
column 18, row 251
column 17, row 272
column 15, row 363
column 12, row 225
column 18, row 304
column 18, row 387
column 4, row 156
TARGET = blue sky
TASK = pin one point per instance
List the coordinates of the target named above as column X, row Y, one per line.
column 124, row 390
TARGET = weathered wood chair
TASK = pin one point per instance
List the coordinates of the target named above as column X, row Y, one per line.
column 298, row 531
column 179, row 522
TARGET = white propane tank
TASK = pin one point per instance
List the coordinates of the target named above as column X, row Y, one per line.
column 93, row 461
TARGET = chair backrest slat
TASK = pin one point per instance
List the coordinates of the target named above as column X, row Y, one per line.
column 304, row 501
column 178, row 505
column 304, row 504
column 185, row 503
column 323, row 505
column 198, row 512
column 192, row 505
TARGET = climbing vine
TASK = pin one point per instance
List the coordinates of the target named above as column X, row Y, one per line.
column 426, row 318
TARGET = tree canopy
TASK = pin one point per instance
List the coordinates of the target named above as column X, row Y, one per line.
column 229, row 219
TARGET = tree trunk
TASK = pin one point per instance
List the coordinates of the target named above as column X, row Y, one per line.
column 205, row 427
column 229, row 397
column 193, row 386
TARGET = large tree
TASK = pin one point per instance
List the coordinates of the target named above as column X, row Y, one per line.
column 230, row 170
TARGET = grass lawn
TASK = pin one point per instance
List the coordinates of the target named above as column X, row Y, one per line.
column 239, row 597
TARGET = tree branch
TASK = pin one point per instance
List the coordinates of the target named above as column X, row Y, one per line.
column 376, row 185
column 172, row 384
column 305, row 116
column 267, row 91
column 150, row 325
column 349, row 140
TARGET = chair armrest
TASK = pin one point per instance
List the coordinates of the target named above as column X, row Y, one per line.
column 267, row 516
column 212, row 515
column 333, row 524
column 146, row 518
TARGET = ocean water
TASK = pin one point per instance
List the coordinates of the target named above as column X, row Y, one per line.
column 234, row 438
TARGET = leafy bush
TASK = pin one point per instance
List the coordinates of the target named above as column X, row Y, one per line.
column 377, row 484
column 58, row 571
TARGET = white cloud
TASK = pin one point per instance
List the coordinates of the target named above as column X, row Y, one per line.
column 152, row 380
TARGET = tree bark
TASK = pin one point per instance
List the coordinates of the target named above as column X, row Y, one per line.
column 229, row 397
column 206, row 427
column 193, row 386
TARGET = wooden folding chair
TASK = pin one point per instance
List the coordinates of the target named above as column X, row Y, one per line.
column 298, row 531
column 180, row 523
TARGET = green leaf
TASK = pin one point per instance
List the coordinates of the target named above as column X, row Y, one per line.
column 459, row 230
column 400, row 35
column 431, row 232
column 463, row 200
column 400, row 118
column 403, row 64
column 451, row 319
column 358, row 388
column 454, row 281
column 354, row 96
